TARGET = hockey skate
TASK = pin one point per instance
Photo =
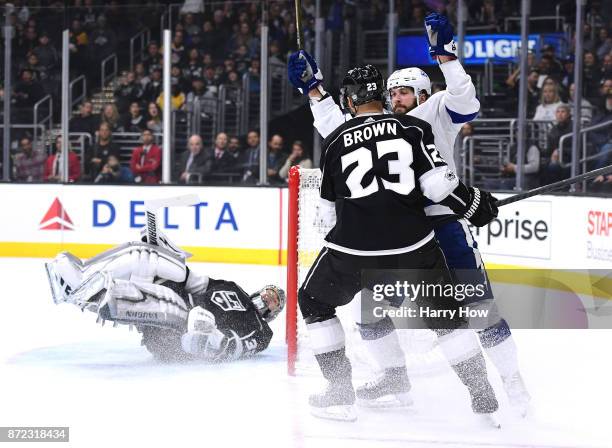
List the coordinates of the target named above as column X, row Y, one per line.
column 391, row 390
column 336, row 403
column 485, row 405
column 517, row 393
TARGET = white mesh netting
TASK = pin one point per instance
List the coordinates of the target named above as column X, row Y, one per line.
column 422, row 355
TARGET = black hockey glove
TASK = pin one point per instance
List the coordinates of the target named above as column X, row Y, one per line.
column 482, row 208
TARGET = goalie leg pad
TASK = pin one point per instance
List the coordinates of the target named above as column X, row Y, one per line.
column 143, row 304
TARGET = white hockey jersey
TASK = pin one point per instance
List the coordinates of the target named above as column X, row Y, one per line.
column 445, row 111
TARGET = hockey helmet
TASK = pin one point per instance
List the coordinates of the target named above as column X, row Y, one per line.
column 412, row 77
column 266, row 296
column 362, row 85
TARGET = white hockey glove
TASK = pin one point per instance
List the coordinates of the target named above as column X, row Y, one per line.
column 325, row 215
column 200, row 320
column 203, row 339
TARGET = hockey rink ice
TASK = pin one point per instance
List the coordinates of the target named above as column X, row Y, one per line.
column 58, row 368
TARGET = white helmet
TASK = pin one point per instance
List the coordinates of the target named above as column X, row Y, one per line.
column 410, row 77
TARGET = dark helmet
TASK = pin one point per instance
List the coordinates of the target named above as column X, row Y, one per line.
column 362, row 85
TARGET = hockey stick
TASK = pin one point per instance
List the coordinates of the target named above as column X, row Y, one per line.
column 152, row 205
column 298, row 24
column 540, row 190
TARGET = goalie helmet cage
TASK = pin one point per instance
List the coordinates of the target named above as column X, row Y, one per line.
column 306, row 233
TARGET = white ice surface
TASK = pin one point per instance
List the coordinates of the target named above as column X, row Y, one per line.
column 58, row 368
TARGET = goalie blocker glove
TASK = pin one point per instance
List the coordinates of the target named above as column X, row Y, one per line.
column 440, row 36
column 303, row 72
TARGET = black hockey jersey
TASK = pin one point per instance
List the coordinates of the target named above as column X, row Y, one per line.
column 236, row 317
column 377, row 171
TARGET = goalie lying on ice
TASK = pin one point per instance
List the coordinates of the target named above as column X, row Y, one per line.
column 181, row 314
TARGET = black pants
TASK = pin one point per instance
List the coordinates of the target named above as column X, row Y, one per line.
column 335, row 277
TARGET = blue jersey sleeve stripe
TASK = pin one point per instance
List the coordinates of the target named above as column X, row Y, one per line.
column 460, row 118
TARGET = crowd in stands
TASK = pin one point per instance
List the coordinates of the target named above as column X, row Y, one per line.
column 220, row 45
column 228, row 159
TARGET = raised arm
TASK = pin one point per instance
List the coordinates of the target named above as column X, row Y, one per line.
column 459, row 100
column 305, row 75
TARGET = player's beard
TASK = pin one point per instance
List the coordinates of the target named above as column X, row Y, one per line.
column 402, row 109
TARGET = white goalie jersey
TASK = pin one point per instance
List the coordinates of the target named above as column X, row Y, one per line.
column 445, row 111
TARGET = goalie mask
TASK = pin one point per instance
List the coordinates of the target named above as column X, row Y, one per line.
column 362, row 85
column 269, row 302
column 412, row 77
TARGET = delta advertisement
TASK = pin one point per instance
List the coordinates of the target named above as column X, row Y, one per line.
column 249, row 225
column 413, row 50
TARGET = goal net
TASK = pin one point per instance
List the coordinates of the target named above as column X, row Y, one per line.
column 306, row 233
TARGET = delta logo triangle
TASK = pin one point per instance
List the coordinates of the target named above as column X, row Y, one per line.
column 56, row 218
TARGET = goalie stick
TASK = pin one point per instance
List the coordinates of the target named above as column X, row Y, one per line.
column 540, row 190
column 151, row 207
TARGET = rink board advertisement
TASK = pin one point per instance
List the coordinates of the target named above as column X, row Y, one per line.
column 241, row 225
column 249, row 225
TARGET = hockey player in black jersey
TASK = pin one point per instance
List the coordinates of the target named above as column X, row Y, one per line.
column 377, row 170
column 181, row 314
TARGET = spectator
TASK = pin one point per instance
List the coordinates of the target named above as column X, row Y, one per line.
column 210, row 80
column 531, row 170
column 146, row 161
column 27, row 92
column 153, row 60
column 604, row 45
column 79, row 42
column 549, row 102
column 591, row 76
column 154, row 124
column 250, row 158
column 154, row 86
column 586, row 108
column 193, row 68
column 276, row 158
column 554, row 171
column 39, row 73
column 197, row 90
column 222, row 160
column 298, row 156
column 134, row 121
column 103, row 148
column 128, row 91
column 103, row 42
column 54, row 165
column 606, row 66
column 46, row 53
column 110, row 116
column 533, row 92
column 86, row 122
column 141, row 76
column 233, row 149
column 176, row 78
column 29, row 164
column 26, row 42
column 242, row 58
column 114, row 173
column 194, row 164
column 178, row 48
column 567, row 76
column 604, row 95
column 177, row 98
